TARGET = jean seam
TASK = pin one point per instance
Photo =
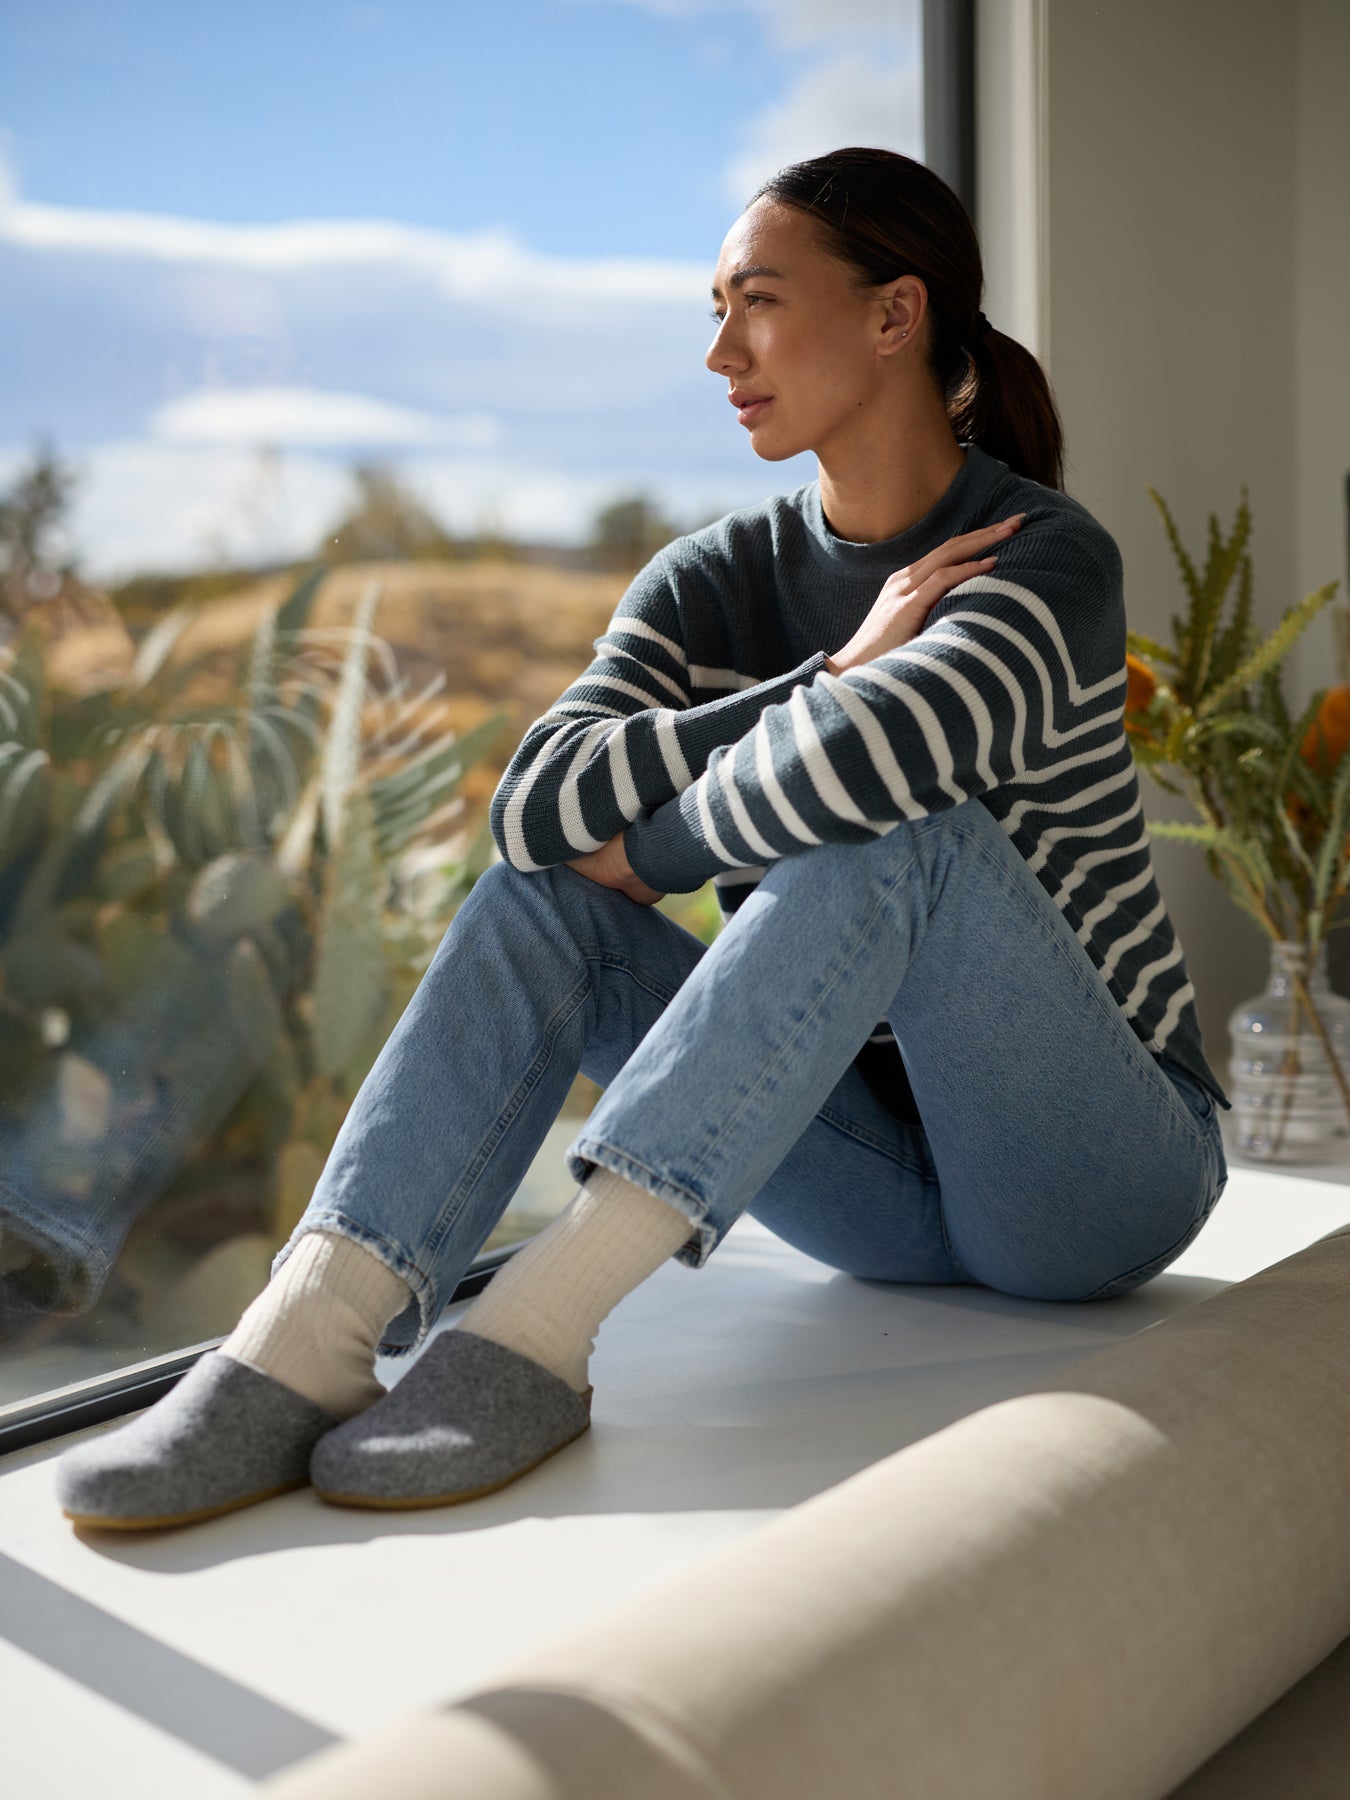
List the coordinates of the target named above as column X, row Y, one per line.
column 779, row 1055
column 1153, row 1263
column 460, row 1194
column 1211, row 1188
column 1098, row 992
column 1099, row 995
column 590, row 953
column 841, row 1122
column 626, row 966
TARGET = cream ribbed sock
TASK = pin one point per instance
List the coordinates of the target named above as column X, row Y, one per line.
column 316, row 1324
column 549, row 1300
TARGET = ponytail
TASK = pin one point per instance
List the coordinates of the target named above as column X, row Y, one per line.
column 884, row 215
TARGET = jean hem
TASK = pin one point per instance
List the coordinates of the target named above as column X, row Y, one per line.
column 82, row 1264
column 583, row 1153
column 423, row 1289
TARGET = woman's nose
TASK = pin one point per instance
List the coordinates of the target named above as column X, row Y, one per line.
column 722, row 354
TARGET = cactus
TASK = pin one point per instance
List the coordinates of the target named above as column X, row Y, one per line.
column 238, row 892
column 203, row 919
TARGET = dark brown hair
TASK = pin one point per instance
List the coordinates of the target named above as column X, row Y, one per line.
column 885, row 215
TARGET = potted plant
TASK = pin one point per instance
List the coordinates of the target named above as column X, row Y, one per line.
column 1207, row 717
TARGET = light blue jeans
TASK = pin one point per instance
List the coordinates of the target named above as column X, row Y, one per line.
column 1058, row 1159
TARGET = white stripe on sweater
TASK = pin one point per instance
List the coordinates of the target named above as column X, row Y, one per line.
column 673, row 687
column 1141, row 933
column 628, row 625
column 991, row 584
column 1047, row 839
column 1139, row 992
column 1167, row 1023
column 569, row 803
column 512, row 829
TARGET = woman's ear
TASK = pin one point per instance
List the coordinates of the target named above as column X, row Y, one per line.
column 904, row 302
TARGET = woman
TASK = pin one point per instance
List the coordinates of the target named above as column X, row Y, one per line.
column 946, row 1034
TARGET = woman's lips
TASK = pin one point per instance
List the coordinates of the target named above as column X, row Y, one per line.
column 746, row 415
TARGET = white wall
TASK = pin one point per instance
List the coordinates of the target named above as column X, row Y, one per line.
column 1322, row 322
column 1163, row 214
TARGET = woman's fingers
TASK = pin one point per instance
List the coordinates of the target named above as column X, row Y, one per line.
column 946, row 576
column 955, row 549
column 953, row 577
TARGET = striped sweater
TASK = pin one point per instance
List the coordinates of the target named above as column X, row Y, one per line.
column 708, row 730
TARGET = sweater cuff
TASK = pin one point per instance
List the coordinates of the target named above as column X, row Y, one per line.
column 666, row 848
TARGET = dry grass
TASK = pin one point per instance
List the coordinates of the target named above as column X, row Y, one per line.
column 508, row 636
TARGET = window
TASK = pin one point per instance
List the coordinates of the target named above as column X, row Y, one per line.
column 348, row 352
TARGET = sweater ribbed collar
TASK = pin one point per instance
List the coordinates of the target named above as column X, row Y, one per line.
column 962, row 507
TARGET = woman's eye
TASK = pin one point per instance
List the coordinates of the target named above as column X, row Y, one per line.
column 717, row 317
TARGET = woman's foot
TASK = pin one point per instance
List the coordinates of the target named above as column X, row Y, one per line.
column 469, row 1417
column 224, row 1436
column 506, row 1387
column 550, row 1299
column 317, row 1324
column 240, row 1425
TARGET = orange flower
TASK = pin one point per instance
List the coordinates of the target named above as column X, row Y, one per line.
column 1323, row 746
column 1332, row 726
column 1139, row 687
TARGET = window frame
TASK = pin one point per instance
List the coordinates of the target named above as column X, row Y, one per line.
column 948, row 38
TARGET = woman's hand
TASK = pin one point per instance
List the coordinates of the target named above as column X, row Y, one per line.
column 610, row 868
column 899, row 610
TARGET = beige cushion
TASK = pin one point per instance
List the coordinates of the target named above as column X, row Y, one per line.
column 1083, row 1592
column 1299, row 1749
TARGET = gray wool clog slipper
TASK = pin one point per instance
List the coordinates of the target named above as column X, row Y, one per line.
column 224, row 1436
column 470, row 1416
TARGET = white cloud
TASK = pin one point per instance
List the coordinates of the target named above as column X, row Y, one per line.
column 476, row 265
column 788, row 23
column 170, row 507
column 158, row 506
column 305, row 416
column 792, row 22
column 849, row 100
column 870, row 91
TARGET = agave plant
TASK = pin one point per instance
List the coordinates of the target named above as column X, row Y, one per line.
column 1207, row 716
column 210, row 914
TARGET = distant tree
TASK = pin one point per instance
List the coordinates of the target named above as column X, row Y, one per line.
column 32, row 568
column 386, row 523
column 628, row 533
column 490, row 541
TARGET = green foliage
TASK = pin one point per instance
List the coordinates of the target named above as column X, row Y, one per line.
column 31, row 567
column 1217, row 722
column 258, row 880
column 386, row 523
column 352, row 977
column 629, row 532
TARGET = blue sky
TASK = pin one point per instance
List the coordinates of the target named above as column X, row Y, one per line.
column 242, row 247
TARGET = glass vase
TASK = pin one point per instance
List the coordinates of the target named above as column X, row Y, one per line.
column 1287, row 1104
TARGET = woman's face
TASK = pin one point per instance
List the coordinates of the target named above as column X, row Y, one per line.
column 800, row 337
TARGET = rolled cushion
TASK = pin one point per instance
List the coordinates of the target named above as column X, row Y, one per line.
column 1081, row 1593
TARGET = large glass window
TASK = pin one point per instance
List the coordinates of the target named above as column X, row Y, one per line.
column 351, row 363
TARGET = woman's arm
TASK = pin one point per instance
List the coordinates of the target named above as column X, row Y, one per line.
column 1015, row 671
column 625, row 736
